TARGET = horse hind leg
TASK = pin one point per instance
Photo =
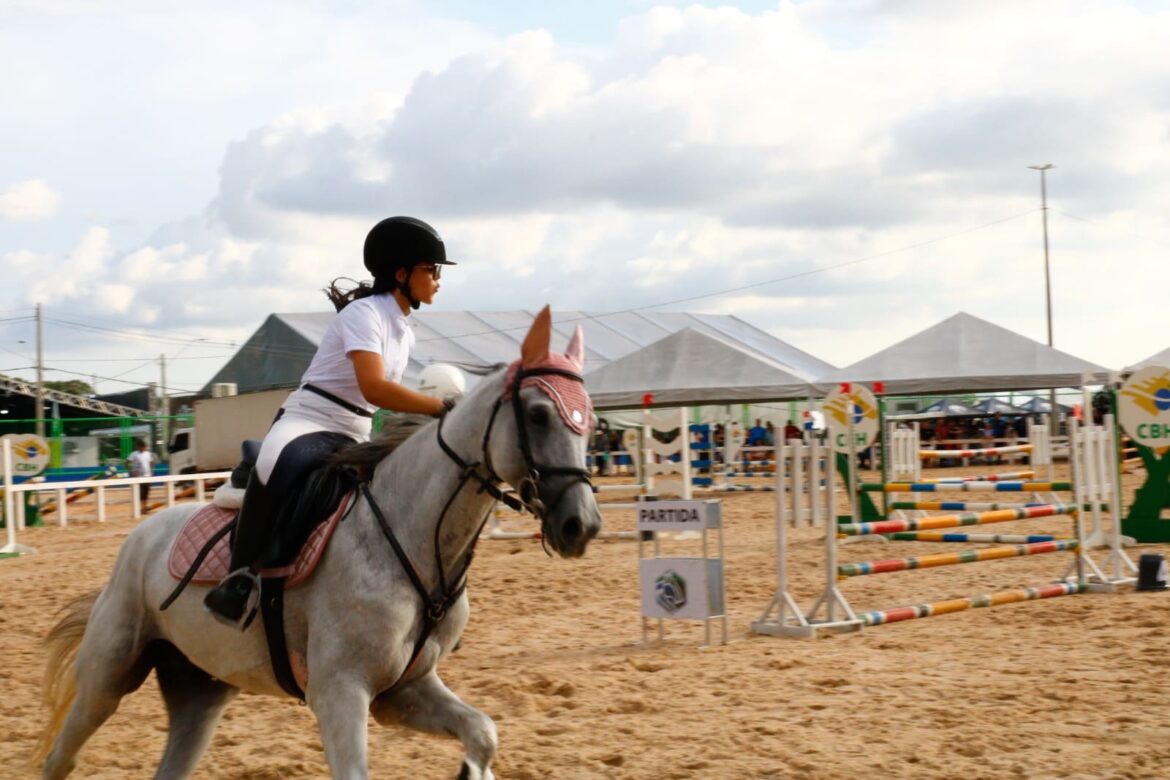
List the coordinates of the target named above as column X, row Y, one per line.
column 94, row 659
column 194, row 701
column 426, row 704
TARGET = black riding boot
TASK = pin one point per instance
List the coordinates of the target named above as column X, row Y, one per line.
column 233, row 601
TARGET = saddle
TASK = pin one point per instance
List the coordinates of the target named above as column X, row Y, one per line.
column 201, row 553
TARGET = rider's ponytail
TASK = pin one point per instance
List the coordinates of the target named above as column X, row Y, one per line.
column 341, row 298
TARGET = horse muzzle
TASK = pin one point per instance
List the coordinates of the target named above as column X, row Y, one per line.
column 573, row 521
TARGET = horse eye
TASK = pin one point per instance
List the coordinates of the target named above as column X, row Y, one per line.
column 538, row 415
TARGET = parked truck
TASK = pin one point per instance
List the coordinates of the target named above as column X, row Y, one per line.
column 213, row 443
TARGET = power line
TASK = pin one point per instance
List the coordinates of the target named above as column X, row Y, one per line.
column 1108, row 226
column 302, row 352
column 290, row 351
column 116, row 379
column 790, row 277
column 139, row 359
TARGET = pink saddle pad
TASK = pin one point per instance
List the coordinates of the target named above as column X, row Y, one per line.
column 203, row 525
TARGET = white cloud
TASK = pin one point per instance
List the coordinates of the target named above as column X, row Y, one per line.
column 28, row 200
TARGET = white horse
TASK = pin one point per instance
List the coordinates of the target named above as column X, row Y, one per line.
column 370, row 641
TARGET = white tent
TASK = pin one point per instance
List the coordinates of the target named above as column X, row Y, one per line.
column 690, row 368
column 966, row 354
column 278, row 353
column 1159, row 359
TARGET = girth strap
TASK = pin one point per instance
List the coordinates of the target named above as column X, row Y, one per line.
column 272, row 611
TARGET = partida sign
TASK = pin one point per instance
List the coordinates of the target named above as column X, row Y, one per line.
column 30, row 454
column 1143, row 407
column 858, row 401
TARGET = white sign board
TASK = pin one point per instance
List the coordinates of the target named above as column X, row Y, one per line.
column 681, row 588
column 679, row 515
column 1143, row 407
column 30, row 454
column 859, row 402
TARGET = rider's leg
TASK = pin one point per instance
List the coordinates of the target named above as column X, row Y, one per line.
column 233, row 600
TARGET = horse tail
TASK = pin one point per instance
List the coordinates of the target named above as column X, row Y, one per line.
column 60, row 685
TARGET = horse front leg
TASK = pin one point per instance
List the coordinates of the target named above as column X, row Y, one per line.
column 341, row 703
column 426, row 704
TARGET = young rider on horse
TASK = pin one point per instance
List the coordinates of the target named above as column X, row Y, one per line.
column 356, row 370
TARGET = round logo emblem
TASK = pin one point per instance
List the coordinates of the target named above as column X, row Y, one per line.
column 1143, row 407
column 859, row 403
column 30, row 454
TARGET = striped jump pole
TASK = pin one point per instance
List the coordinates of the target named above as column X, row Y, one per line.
column 1010, row 475
column 960, row 506
column 966, row 487
column 937, row 536
column 972, row 602
column 972, row 506
column 953, row 454
column 864, row 568
column 741, row 488
column 953, row 521
column 610, row 488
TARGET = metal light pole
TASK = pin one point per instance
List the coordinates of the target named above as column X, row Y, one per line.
column 40, row 400
column 1047, row 275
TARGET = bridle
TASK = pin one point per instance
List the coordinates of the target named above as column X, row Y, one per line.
column 530, row 496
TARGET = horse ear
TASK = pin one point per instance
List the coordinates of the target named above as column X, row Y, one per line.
column 576, row 349
column 534, row 350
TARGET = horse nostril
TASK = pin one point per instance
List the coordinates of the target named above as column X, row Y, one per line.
column 572, row 528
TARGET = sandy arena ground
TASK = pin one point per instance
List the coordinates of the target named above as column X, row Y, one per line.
column 1075, row 687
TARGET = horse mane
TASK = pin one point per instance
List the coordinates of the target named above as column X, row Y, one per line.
column 365, row 456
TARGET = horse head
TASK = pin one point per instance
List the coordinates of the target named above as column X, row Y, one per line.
column 540, row 447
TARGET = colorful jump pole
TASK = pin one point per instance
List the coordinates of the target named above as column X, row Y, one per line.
column 966, row 487
column 953, row 521
column 971, row 602
column 936, row 536
column 960, row 506
column 1013, row 475
column 955, row 454
column 862, row 569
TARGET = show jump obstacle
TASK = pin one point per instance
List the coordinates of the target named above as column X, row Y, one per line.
column 1092, row 452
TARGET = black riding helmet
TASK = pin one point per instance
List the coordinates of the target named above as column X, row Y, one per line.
column 402, row 242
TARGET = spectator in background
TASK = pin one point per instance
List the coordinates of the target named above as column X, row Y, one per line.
column 770, row 434
column 792, row 433
column 942, row 432
column 1020, row 425
column 757, row 437
column 141, row 464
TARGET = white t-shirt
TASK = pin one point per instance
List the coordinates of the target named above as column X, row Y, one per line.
column 140, row 462
column 372, row 324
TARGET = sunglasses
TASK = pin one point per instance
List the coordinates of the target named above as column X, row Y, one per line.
column 436, row 271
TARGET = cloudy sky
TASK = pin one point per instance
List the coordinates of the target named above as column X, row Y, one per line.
column 841, row 173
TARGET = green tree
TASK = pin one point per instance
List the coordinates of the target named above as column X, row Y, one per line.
column 74, row 386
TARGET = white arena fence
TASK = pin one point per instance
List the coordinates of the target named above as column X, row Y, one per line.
column 14, row 511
